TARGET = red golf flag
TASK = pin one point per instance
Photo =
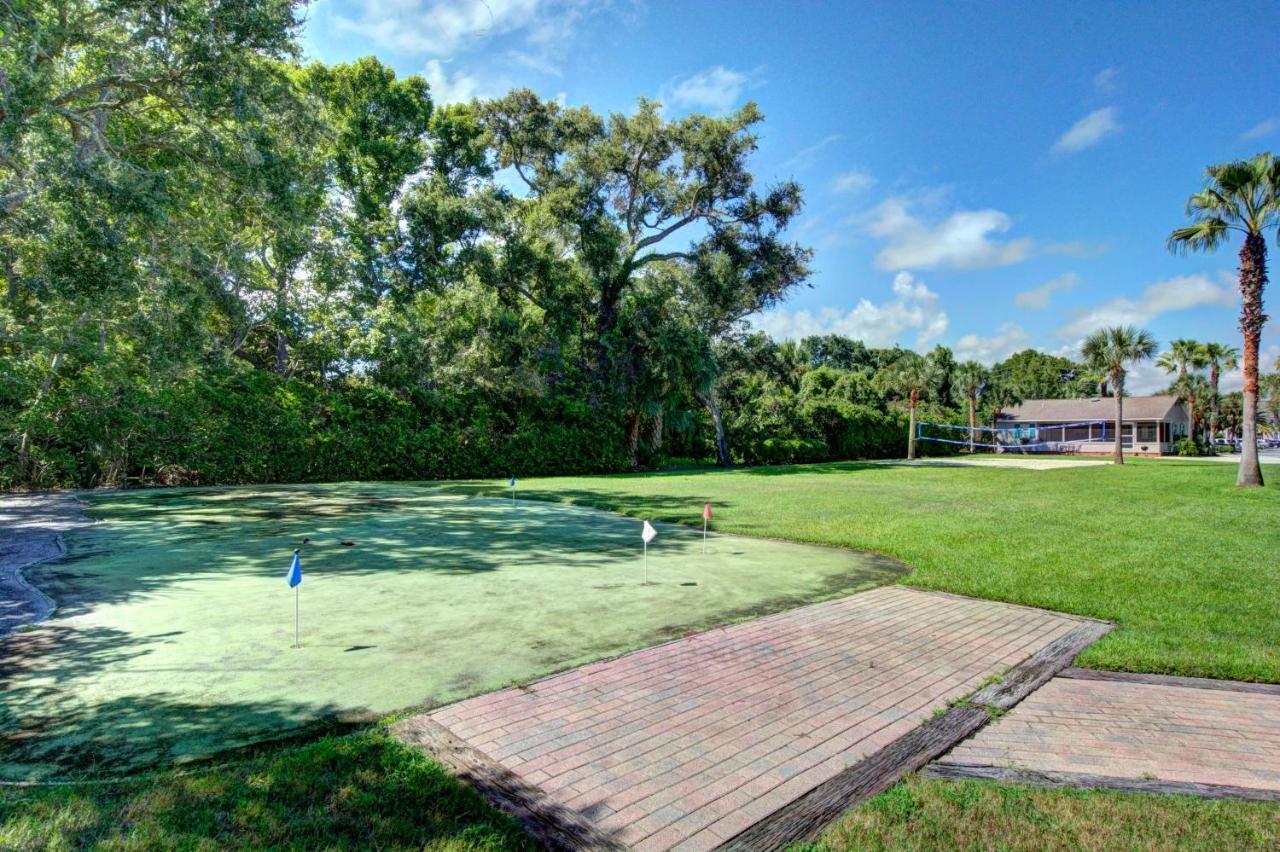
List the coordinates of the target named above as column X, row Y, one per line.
column 706, row 511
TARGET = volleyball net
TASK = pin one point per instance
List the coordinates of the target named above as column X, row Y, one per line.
column 1023, row 437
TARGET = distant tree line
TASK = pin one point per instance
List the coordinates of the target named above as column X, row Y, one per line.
column 223, row 265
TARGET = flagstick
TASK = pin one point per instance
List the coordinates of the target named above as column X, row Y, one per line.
column 646, row 563
column 296, row 590
column 704, row 532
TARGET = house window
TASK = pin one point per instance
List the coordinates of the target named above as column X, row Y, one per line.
column 1147, row 433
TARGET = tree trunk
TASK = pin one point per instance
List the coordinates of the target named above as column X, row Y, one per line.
column 24, row 443
column 633, row 439
column 282, row 353
column 973, row 418
column 911, row 425
column 1253, row 280
column 606, row 324
column 1119, row 451
column 1213, row 408
column 655, row 432
column 11, row 279
column 282, row 306
column 723, row 459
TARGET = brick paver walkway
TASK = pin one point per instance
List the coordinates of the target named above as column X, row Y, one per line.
column 689, row 743
column 1142, row 731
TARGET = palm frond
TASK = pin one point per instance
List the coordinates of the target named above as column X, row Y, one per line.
column 1205, row 235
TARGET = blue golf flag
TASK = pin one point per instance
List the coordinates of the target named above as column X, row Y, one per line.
column 295, row 571
column 512, row 483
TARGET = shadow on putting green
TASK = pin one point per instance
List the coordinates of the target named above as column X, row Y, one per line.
column 173, row 633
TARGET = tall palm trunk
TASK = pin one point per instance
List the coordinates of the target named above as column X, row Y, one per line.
column 1253, row 279
column 911, row 424
column 1118, row 383
column 1213, row 408
column 973, row 418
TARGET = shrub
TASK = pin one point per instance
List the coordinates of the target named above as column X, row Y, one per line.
column 1188, row 447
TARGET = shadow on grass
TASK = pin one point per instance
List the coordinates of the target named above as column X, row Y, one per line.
column 59, row 717
column 47, row 731
column 154, row 539
column 360, row 792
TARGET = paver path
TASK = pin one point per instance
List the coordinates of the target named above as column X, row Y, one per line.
column 687, row 744
column 1172, row 734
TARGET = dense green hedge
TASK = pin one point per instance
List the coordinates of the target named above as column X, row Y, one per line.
column 237, row 426
column 109, row 425
column 840, row 431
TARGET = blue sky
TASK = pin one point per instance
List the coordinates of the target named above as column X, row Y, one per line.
column 989, row 176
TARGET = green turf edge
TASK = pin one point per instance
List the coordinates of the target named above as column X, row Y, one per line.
column 921, row 813
column 366, row 790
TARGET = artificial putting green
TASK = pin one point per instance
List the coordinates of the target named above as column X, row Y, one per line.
column 173, row 632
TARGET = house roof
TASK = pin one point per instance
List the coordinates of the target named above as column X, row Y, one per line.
column 1098, row 408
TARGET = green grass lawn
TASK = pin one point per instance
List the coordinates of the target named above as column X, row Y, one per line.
column 976, row 815
column 1186, row 565
column 360, row 792
column 369, row 791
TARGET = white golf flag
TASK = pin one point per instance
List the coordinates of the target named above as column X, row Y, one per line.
column 649, row 533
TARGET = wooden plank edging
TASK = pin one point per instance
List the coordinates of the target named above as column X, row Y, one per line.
column 803, row 818
column 1049, row 779
column 1034, row 672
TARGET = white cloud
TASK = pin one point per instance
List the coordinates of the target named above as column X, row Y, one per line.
column 441, row 28
column 455, row 88
column 1089, row 131
column 962, row 240
column 853, row 181
column 1144, row 379
column 716, row 89
column 914, row 309
column 1263, row 128
column 1010, row 338
column 1038, row 298
column 805, row 156
column 1173, row 294
column 1105, row 81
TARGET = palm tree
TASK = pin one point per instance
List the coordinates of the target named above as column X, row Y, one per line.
column 999, row 396
column 910, row 376
column 1109, row 350
column 1244, row 196
column 1183, row 353
column 1194, row 391
column 1217, row 357
column 971, row 378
